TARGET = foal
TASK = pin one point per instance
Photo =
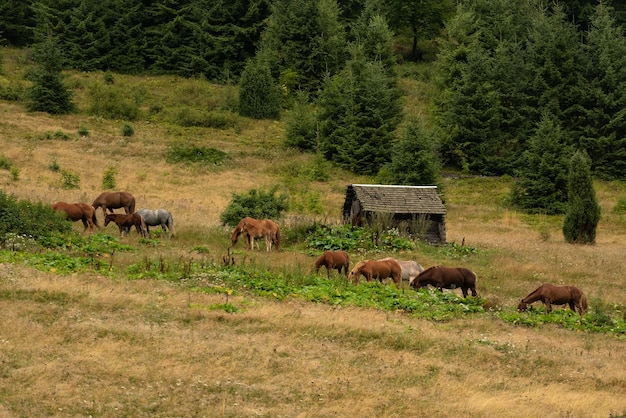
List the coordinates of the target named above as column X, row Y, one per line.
column 126, row 221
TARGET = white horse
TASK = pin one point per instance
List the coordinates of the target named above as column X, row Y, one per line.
column 410, row 269
column 158, row 217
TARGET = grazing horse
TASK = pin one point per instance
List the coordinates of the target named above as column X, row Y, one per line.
column 158, row 217
column 257, row 228
column 377, row 269
column 124, row 222
column 78, row 212
column 410, row 269
column 447, row 278
column 337, row 260
column 115, row 200
column 551, row 294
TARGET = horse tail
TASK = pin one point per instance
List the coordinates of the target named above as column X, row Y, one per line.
column 131, row 206
column 583, row 303
column 144, row 227
column 277, row 242
column 94, row 218
column 170, row 225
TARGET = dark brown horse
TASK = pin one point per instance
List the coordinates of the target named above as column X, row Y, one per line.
column 114, row 200
column 126, row 221
column 78, row 212
column 447, row 278
column 377, row 269
column 551, row 294
column 333, row 260
column 252, row 228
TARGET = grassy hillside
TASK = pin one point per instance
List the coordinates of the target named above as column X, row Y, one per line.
column 161, row 328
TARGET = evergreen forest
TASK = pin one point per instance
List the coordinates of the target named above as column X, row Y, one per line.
column 518, row 88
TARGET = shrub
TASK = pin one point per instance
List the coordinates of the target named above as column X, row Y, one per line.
column 29, row 219
column 189, row 117
column 54, row 165
column 179, row 153
column 113, row 103
column 83, row 131
column 255, row 204
column 69, row 180
column 108, row 179
column 127, row 130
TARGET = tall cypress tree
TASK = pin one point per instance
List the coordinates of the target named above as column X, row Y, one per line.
column 583, row 211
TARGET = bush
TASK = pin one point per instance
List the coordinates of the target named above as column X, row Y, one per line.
column 179, row 153
column 128, row 130
column 25, row 218
column 69, row 180
column 255, row 204
column 113, row 103
column 189, row 117
column 108, row 179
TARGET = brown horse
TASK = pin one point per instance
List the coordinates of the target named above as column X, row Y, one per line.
column 126, row 222
column 78, row 212
column 447, row 278
column 377, row 269
column 115, row 200
column 337, row 260
column 252, row 228
column 551, row 294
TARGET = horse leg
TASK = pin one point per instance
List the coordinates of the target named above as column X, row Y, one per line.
column 464, row 290
column 548, row 305
column 85, row 225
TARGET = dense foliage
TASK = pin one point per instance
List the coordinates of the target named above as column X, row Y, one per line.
column 28, row 220
column 583, row 211
column 498, row 79
column 256, row 204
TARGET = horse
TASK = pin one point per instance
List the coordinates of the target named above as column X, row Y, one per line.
column 125, row 221
column 78, row 212
column 158, row 217
column 337, row 260
column 410, row 268
column 551, row 294
column 115, row 200
column 447, row 278
column 377, row 269
column 257, row 228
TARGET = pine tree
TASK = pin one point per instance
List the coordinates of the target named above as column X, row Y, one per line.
column 259, row 95
column 304, row 37
column 541, row 184
column 604, row 136
column 359, row 111
column 413, row 158
column 48, row 92
column 583, row 211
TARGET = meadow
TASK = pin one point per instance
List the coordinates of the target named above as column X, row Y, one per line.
column 123, row 326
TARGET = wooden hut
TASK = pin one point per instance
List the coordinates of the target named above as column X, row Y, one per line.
column 417, row 210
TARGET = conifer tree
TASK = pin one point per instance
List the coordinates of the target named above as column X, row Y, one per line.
column 359, row 111
column 413, row 158
column 541, row 184
column 259, row 95
column 48, row 93
column 583, row 211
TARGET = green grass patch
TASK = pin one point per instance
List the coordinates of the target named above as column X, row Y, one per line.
column 184, row 153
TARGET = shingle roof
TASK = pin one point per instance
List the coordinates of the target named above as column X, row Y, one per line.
column 399, row 199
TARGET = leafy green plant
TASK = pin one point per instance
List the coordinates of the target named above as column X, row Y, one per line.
column 108, row 178
column 351, row 238
column 5, row 163
column 54, row 165
column 83, row 131
column 69, row 180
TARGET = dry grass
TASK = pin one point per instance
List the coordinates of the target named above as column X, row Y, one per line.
column 88, row 345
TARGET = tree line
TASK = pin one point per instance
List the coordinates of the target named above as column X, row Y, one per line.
column 521, row 87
